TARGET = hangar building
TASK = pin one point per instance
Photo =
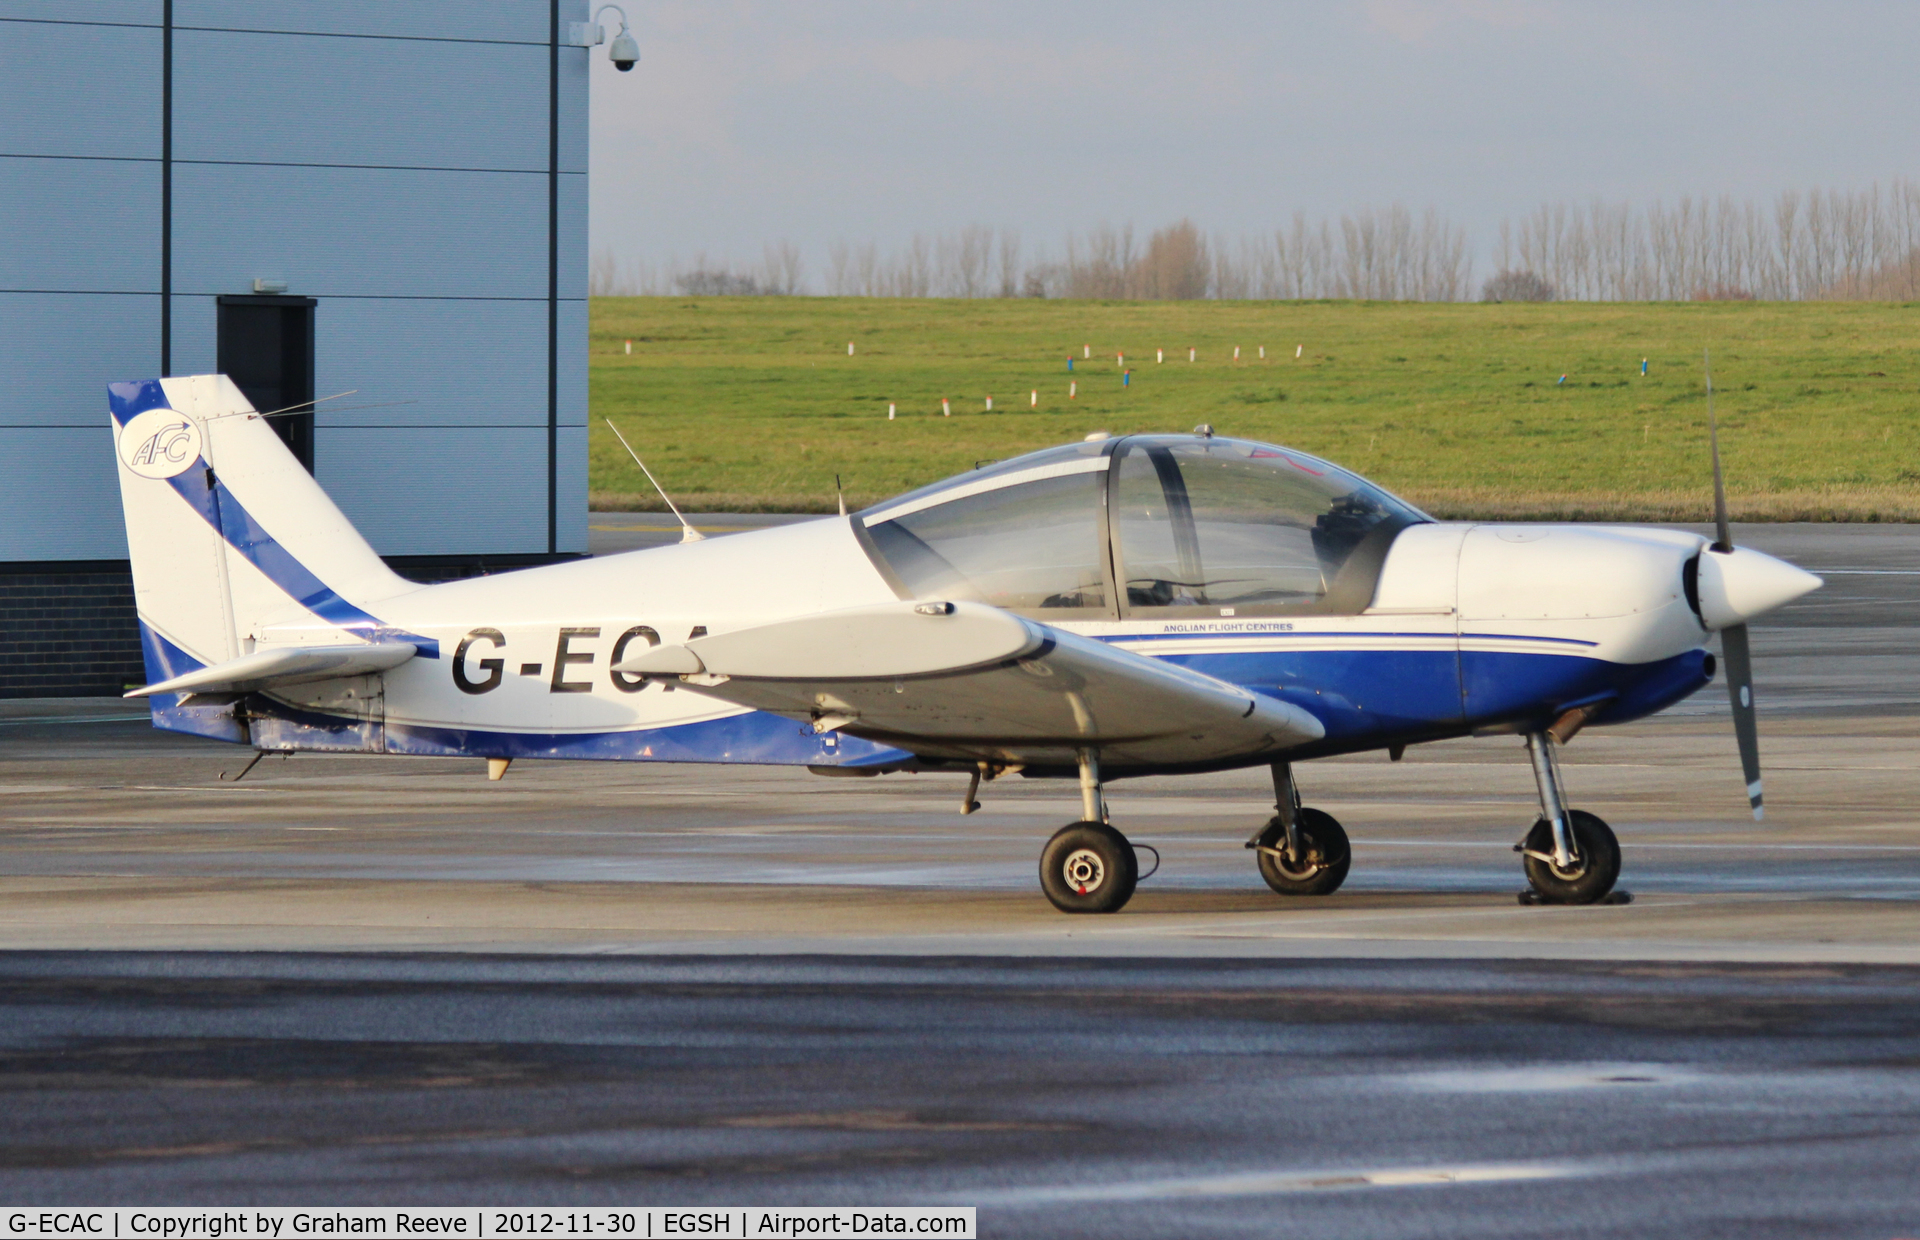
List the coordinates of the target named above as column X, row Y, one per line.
column 356, row 196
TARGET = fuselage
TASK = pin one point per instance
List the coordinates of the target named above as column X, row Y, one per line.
column 1470, row 627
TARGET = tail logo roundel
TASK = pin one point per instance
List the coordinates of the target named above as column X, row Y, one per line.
column 159, row 443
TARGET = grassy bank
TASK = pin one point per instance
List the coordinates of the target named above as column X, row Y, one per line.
column 753, row 404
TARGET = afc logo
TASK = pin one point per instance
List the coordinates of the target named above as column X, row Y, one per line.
column 159, row 443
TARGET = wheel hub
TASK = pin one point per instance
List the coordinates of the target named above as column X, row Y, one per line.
column 1311, row 863
column 1084, row 871
column 1568, row 873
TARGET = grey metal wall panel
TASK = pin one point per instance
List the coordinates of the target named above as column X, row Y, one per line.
column 573, row 363
column 439, row 492
column 80, row 90
column 196, row 335
column 573, row 235
column 360, row 232
column 391, row 102
column 431, row 363
column 574, row 64
column 58, row 352
column 83, row 225
column 119, row 12
column 523, row 21
column 432, row 283
column 572, row 491
column 60, row 494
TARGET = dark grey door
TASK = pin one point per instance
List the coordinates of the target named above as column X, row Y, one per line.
column 266, row 348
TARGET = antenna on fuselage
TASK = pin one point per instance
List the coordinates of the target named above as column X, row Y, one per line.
column 689, row 534
column 839, row 491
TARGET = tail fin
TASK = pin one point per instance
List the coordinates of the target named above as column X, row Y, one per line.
column 227, row 532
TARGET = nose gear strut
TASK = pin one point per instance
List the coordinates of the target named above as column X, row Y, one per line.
column 1571, row 856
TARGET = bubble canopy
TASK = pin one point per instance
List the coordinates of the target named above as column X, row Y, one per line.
column 1143, row 526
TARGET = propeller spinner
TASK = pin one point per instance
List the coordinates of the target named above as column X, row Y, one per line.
column 1737, row 583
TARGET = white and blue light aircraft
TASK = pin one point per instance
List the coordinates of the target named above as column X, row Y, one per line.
column 1132, row 605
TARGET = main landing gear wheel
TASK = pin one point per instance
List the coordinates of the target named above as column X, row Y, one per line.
column 1323, row 867
column 1088, row 867
column 1593, row 872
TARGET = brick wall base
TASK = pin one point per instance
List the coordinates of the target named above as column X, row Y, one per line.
column 67, row 627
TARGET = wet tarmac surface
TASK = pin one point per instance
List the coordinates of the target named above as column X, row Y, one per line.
column 1062, row 1098
column 842, row 991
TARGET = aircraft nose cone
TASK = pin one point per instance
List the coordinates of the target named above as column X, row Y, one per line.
column 1738, row 585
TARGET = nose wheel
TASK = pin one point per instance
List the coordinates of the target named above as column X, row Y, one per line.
column 1571, row 856
column 1588, row 879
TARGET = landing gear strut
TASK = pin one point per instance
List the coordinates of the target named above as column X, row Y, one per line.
column 1302, row 852
column 1571, row 855
column 1088, row 867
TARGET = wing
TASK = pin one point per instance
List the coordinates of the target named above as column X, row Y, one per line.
column 968, row 681
column 285, row 665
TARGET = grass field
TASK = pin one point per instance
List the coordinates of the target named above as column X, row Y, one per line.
column 753, row 404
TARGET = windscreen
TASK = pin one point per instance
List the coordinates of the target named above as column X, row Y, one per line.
column 1228, row 526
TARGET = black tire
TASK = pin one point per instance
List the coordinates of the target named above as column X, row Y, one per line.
column 1088, row 867
column 1593, row 875
column 1328, row 856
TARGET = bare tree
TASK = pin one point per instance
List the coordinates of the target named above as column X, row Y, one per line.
column 782, row 272
column 603, row 273
column 840, row 270
column 1236, row 269
column 962, row 263
column 1174, row 267
column 1101, row 266
column 916, row 268
column 1009, row 263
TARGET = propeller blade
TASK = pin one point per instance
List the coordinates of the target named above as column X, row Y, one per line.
column 1733, row 638
column 1725, row 541
column 1739, row 661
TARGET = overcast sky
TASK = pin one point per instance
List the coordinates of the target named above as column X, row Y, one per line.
column 839, row 119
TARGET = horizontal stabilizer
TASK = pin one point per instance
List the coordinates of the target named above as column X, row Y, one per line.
column 286, row 665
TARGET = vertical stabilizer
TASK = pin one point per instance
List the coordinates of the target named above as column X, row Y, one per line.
column 228, row 533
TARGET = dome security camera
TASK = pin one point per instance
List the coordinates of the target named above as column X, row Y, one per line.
column 625, row 51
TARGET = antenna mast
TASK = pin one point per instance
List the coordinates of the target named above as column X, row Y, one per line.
column 688, row 534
